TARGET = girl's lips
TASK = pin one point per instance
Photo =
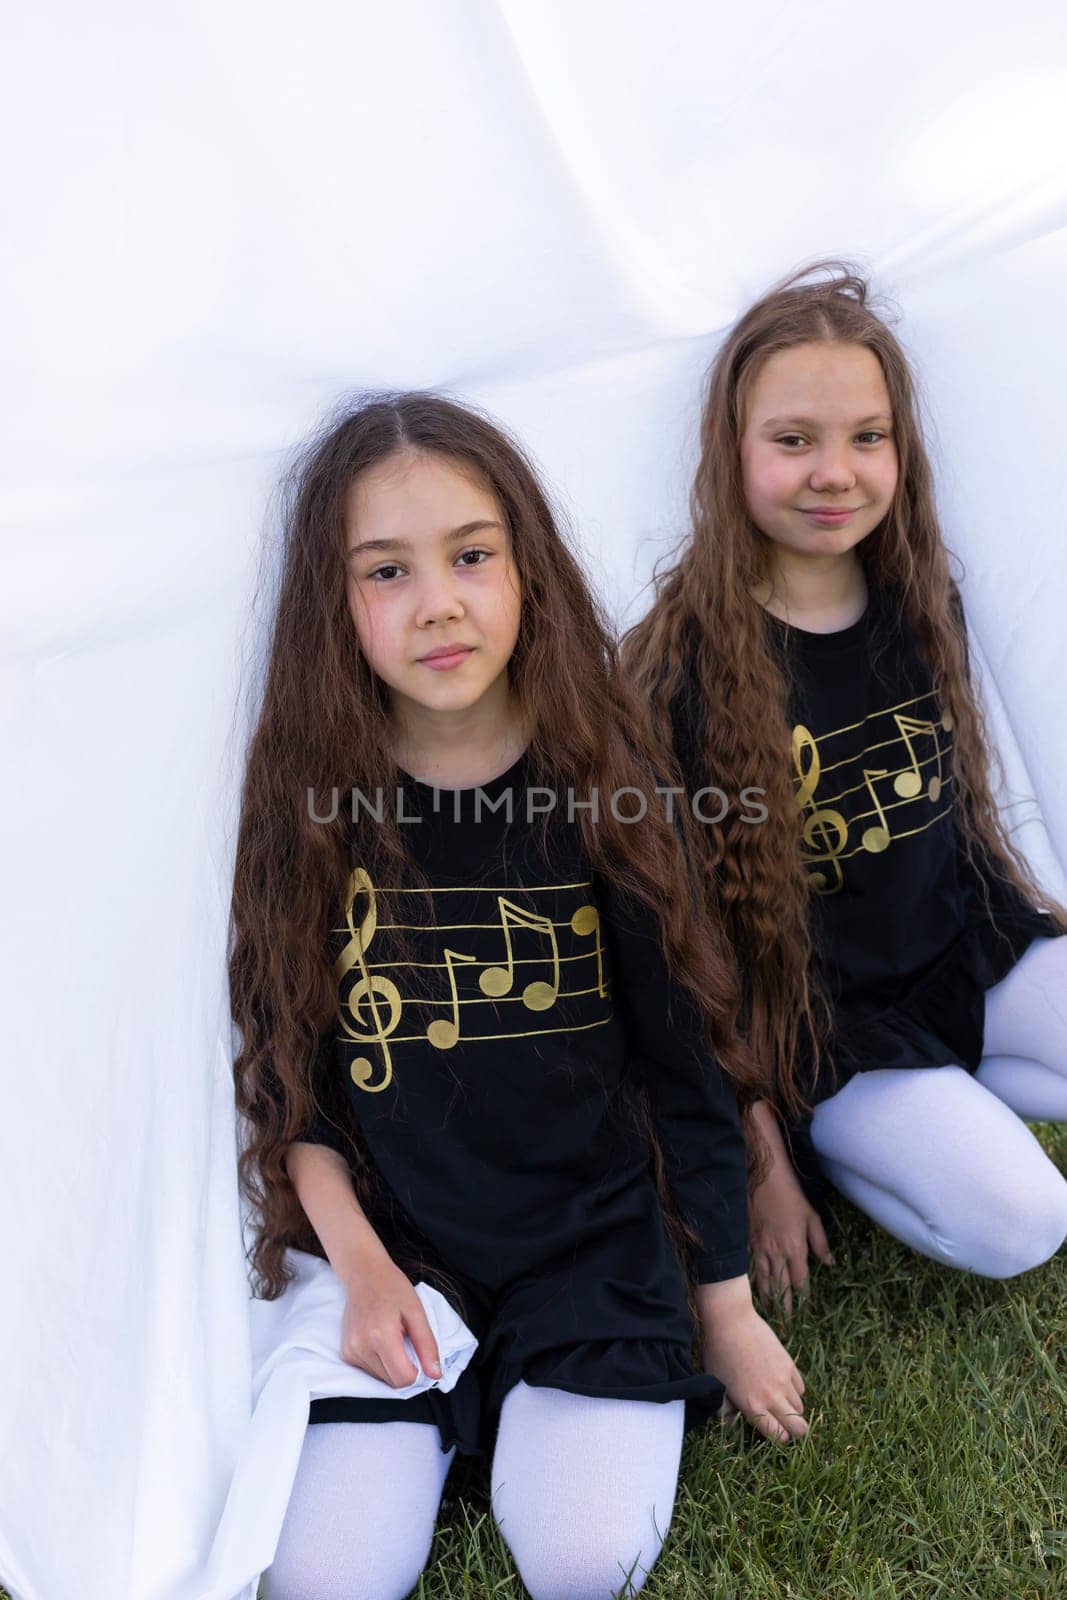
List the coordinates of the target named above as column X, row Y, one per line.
column 452, row 659
column 831, row 517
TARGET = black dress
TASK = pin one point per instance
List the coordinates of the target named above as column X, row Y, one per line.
column 489, row 1030
column 906, row 943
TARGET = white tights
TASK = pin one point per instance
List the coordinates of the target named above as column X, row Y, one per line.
column 942, row 1159
column 583, row 1493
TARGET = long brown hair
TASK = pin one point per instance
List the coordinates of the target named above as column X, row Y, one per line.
column 705, row 601
column 323, row 724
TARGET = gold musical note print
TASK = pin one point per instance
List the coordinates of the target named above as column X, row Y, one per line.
column 910, row 783
column 586, row 923
column 443, row 1033
column 858, row 805
column 533, row 950
column 497, row 981
column 876, row 839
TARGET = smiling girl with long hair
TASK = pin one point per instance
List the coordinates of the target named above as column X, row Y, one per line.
column 901, row 971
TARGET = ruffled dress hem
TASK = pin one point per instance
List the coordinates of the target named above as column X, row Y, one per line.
column 467, row 1416
column 929, row 1027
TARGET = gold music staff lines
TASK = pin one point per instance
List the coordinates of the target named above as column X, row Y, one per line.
column 883, row 711
column 487, row 888
column 371, row 1011
column 452, row 927
column 486, row 1038
column 500, row 1000
column 881, row 744
column 910, row 784
column 440, row 966
column 878, row 837
column 826, row 830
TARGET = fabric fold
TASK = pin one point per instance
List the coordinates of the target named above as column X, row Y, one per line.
column 295, row 1359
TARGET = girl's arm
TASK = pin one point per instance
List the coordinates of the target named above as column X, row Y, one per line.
column 381, row 1305
column 783, row 1225
column 691, row 1100
column 323, row 1183
column 318, row 1168
column 698, row 1126
column 745, row 1354
column 380, row 1301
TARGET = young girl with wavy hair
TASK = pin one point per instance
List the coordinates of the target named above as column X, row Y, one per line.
column 902, row 978
column 483, row 1024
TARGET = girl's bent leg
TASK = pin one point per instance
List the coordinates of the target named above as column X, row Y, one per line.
column 945, row 1166
column 583, row 1489
column 361, row 1514
column 1025, row 1062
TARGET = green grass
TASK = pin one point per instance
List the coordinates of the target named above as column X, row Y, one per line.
column 936, row 1465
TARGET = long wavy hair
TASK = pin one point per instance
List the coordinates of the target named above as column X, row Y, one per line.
column 704, row 602
column 323, row 724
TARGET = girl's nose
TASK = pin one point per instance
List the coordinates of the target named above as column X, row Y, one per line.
column 437, row 602
column 832, row 471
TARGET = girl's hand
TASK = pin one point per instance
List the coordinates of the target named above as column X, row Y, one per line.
column 782, row 1228
column 759, row 1375
column 381, row 1307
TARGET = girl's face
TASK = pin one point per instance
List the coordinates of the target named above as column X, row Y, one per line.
column 432, row 585
column 818, row 460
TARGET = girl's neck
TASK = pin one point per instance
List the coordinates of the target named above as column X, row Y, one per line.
column 458, row 749
column 821, row 594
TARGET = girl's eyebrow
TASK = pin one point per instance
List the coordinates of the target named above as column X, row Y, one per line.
column 453, row 536
column 809, row 422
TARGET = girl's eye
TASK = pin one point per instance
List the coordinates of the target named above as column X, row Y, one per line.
column 389, row 570
column 869, row 436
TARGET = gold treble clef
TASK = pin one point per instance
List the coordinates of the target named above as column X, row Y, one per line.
column 825, row 830
column 369, row 989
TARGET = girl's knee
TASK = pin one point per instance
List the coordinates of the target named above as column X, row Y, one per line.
column 1020, row 1228
column 374, row 1580
column 583, row 1490
column 360, row 1519
column 591, row 1570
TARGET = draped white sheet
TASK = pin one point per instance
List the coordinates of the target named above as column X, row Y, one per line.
column 218, row 218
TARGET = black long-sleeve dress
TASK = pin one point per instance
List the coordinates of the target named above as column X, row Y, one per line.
column 906, row 943
column 487, row 1038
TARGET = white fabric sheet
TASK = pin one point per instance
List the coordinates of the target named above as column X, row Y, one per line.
column 218, row 218
column 295, row 1359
